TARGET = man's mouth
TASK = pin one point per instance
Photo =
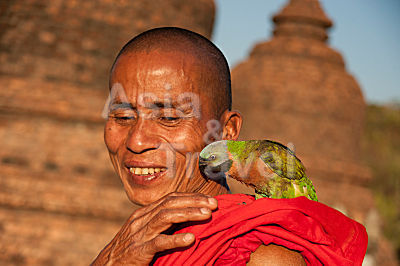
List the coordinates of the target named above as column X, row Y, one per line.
column 146, row 170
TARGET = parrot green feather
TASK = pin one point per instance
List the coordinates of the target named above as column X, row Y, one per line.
column 287, row 178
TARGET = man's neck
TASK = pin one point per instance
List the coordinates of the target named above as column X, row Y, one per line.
column 208, row 187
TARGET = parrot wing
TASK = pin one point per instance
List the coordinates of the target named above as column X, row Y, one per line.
column 281, row 160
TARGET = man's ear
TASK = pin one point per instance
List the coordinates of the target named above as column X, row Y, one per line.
column 232, row 123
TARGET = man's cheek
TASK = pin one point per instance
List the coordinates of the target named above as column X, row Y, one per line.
column 187, row 141
column 113, row 137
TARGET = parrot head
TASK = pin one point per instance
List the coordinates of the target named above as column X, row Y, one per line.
column 214, row 160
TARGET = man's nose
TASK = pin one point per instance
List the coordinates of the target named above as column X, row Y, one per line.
column 141, row 137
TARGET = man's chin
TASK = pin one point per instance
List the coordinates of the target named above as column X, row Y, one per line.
column 149, row 192
column 143, row 198
column 146, row 189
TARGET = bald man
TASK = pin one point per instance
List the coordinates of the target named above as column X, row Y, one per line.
column 170, row 96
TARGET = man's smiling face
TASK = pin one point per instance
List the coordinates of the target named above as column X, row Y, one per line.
column 157, row 122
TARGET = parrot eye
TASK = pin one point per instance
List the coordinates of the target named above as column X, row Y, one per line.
column 212, row 157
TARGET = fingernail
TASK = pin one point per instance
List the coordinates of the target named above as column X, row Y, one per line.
column 205, row 211
column 212, row 201
column 188, row 237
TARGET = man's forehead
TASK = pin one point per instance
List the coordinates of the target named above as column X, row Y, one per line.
column 156, row 62
column 154, row 101
column 182, row 101
column 158, row 69
column 159, row 77
column 164, row 91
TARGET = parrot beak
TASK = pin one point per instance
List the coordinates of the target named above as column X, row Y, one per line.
column 214, row 172
column 202, row 161
column 202, row 164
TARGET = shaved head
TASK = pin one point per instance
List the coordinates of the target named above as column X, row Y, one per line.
column 172, row 97
column 200, row 49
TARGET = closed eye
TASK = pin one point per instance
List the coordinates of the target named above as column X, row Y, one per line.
column 169, row 118
column 124, row 117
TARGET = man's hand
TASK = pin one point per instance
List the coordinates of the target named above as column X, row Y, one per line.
column 140, row 237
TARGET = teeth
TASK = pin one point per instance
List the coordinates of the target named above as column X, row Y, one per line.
column 146, row 171
column 138, row 171
column 151, row 177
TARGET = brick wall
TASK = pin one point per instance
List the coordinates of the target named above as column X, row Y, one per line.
column 60, row 200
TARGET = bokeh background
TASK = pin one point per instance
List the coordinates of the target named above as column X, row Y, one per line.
column 61, row 202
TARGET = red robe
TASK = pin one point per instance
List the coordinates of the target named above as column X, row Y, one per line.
column 241, row 224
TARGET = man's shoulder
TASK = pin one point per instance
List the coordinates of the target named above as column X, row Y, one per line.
column 275, row 255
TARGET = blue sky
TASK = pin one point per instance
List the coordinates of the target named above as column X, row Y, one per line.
column 366, row 32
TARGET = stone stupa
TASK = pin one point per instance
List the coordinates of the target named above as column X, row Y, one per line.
column 295, row 89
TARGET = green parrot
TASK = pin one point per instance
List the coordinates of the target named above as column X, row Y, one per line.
column 269, row 167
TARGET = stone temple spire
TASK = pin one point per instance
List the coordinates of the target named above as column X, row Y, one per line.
column 302, row 18
column 295, row 89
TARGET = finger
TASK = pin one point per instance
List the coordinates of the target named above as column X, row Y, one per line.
column 181, row 200
column 175, row 201
column 170, row 196
column 198, row 200
column 187, row 201
column 165, row 242
column 165, row 218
